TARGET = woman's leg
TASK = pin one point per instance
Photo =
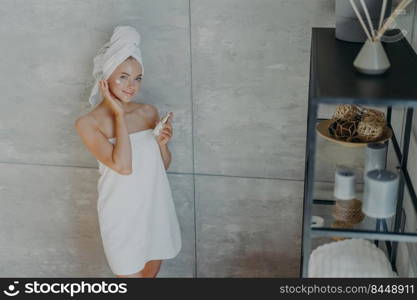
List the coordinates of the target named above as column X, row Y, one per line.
column 134, row 275
column 150, row 270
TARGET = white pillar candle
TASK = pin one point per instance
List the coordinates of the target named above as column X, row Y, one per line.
column 380, row 194
column 375, row 157
column 344, row 184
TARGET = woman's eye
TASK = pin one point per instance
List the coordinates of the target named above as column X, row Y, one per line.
column 123, row 76
column 139, row 79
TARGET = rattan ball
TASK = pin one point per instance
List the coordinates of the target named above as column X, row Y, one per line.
column 346, row 112
column 353, row 123
column 371, row 128
column 344, row 130
column 377, row 115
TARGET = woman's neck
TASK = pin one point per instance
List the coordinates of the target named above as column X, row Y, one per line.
column 106, row 106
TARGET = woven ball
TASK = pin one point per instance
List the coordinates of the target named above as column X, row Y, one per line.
column 371, row 128
column 352, row 123
column 346, row 112
column 344, row 130
column 374, row 114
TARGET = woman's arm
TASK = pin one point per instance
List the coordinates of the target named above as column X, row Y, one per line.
column 166, row 155
column 164, row 136
column 122, row 153
column 117, row 157
column 101, row 148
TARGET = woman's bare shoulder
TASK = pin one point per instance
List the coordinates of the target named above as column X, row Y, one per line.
column 148, row 109
column 149, row 112
column 94, row 119
column 86, row 121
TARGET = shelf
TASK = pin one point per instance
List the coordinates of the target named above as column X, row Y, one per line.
column 325, row 211
column 334, row 79
column 367, row 225
column 403, row 170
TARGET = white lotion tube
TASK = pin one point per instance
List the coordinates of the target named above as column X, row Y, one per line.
column 160, row 125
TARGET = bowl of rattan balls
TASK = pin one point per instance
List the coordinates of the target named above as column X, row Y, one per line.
column 355, row 125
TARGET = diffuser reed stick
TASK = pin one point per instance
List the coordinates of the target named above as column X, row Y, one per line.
column 360, row 19
column 403, row 4
column 371, row 26
column 383, row 10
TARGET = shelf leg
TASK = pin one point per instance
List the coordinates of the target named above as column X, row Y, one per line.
column 406, row 145
column 377, row 228
column 381, row 226
column 308, row 186
column 389, row 114
column 388, row 244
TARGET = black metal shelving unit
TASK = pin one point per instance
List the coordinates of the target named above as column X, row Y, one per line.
column 333, row 80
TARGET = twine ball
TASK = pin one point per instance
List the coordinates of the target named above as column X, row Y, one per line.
column 372, row 126
column 352, row 123
column 346, row 112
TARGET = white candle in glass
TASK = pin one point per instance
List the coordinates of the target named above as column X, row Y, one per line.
column 344, row 184
column 375, row 157
column 380, row 194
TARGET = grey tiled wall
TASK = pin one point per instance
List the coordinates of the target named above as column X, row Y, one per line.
column 48, row 178
column 234, row 72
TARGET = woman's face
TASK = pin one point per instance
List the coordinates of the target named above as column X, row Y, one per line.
column 125, row 80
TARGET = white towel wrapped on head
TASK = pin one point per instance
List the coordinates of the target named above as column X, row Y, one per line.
column 124, row 42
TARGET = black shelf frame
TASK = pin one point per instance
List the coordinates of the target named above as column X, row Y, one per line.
column 327, row 86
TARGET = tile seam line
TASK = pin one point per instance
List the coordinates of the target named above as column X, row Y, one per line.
column 192, row 134
column 173, row 173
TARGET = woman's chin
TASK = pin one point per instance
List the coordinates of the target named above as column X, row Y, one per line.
column 125, row 99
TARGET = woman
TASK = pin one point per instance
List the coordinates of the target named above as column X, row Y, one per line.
column 137, row 217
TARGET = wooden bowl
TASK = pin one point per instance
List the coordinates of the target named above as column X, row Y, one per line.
column 323, row 126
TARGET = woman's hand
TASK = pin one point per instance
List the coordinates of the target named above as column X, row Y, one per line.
column 114, row 103
column 166, row 132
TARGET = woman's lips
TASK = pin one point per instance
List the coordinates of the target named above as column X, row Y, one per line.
column 129, row 94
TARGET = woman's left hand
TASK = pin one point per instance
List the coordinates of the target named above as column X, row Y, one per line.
column 166, row 133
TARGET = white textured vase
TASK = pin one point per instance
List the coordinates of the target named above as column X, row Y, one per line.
column 372, row 59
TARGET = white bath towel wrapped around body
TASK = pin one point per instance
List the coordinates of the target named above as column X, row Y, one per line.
column 137, row 216
column 136, row 212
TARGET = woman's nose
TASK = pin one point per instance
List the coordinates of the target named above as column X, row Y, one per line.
column 131, row 85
